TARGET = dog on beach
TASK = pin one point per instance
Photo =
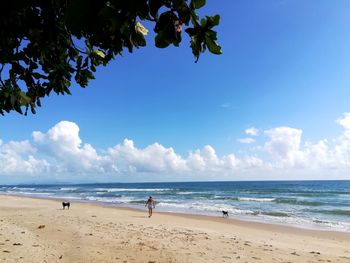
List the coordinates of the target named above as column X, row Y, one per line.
column 66, row 204
column 224, row 213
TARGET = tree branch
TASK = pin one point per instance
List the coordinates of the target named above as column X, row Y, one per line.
column 2, row 67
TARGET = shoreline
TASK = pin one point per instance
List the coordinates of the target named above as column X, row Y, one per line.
column 230, row 220
column 315, row 205
column 38, row 230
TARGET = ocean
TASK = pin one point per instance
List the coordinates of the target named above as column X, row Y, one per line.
column 323, row 205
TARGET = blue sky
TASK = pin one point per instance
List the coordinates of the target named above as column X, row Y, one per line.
column 284, row 64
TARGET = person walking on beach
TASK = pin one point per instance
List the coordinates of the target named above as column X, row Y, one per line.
column 151, row 204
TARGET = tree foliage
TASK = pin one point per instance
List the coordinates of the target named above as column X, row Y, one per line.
column 44, row 44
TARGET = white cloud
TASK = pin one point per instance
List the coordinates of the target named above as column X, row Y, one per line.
column 16, row 158
column 203, row 160
column 247, row 140
column 287, row 150
column 61, row 151
column 344, row 121
column 284, row 145
column 252, row 162
column 252, row 131
column 153, row 158
column 62, row 143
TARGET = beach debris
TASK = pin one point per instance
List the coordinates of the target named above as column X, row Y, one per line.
column 17, row 244
column 295, row 253
column 6, row 251
column 315, row 252
column 35, row 245
column 60, row 257
column 23, row 232
column 41, row 226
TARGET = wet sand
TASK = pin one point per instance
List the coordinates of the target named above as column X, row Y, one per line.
column 38, row 230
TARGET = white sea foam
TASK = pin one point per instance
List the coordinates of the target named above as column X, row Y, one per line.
column 132, row 189
column 68, row 197
column 200, row 207
column 23, row 188
column 250, row 199
column 100, row 199
column 28, row 193
column 190, row 193
column 68, row 188
column 119, row 200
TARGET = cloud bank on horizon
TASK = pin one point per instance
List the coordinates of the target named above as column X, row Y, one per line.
column 61, row 153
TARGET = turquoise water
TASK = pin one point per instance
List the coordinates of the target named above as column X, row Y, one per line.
column 308, row 204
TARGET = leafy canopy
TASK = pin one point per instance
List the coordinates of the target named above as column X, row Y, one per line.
column 46, row 43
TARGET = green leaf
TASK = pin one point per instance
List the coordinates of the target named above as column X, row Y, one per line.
column 24, row 99
column 161, row 41
column 213, row 46
column 76, row 15
column 138, row 39
column 141, row 29
column 79, row 61
column 154, row 6
column 198, row 3
column 99, row 53
column 213, row 21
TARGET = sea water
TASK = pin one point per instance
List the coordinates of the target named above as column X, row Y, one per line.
column 321, row 205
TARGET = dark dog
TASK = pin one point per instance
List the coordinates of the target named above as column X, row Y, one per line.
column 224, row 213
column 66, row 204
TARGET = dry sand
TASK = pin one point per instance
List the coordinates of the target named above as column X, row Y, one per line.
column 38, row 230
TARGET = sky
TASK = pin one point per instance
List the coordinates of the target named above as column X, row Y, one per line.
column 274, row 106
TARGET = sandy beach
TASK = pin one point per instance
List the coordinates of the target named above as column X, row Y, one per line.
column 38, row 230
